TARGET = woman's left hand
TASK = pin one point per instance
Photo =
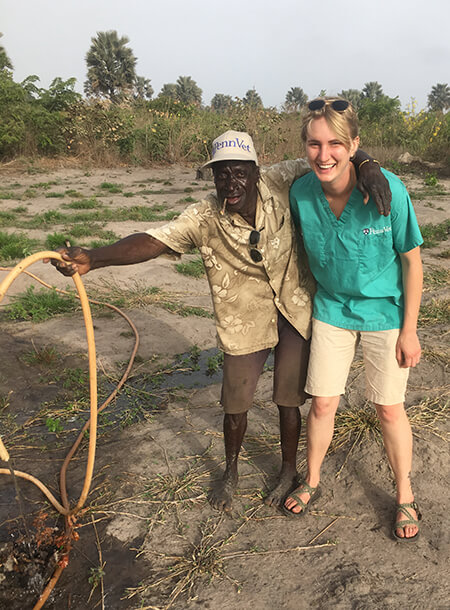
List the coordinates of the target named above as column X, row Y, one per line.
column 408, row 349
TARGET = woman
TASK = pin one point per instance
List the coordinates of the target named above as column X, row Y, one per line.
column 369, row 285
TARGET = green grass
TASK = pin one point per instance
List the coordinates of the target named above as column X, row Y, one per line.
column 429, row 190
column 433, row 234
column 7, row 195
column 86, row 230
column 44, row 185
column 93, row 230
column 53, row 424
column 143, row 296
column 53, row 195
column 214, row 363
column 4, row 401
column 111, row 187
column 75, row 379
column 73, row 193
column 84, row 204
column 187, row 200
column 193, row 268
column 38, row 306
column 185, row 310
column 7, row 218
column 58, row 240
column 16, row 245
column 46, row 355
column 55, row 217
column 49, row 218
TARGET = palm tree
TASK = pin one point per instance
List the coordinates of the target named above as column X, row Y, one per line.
column 372, row 91
column 142, row 88
column 439, row 97
column 111, row 67
column 5, row 62
column 168, row 90
column 354, row 96
column 252, row 99
column 295, row 99
column 188, row 91
column 221, row 102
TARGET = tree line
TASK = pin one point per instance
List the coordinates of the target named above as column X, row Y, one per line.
column 111, row 75
column 120, row 120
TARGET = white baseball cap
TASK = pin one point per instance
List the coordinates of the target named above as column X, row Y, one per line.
column 233, row 146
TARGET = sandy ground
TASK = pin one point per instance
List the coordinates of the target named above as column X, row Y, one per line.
column 162, row 543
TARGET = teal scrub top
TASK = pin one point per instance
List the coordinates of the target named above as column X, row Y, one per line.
column 355, row 260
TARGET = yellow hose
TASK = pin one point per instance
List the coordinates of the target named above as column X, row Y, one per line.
column 4, row 286
column 64, row 508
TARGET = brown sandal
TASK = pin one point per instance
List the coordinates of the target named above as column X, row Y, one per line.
column 314, row 493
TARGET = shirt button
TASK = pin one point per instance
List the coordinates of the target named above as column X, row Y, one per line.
column 273, row 320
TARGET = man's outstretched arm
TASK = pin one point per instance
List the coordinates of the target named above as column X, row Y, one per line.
column 127, row 251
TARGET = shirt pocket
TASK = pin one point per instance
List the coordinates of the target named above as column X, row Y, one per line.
column 279, row 241
column 340, row 261
column 376, row 250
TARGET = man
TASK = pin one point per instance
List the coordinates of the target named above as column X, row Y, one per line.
column 260, row 284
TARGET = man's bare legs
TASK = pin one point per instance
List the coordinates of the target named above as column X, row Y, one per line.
column 320, row 428
column 234, row 427
column 397, row 438
column 290, row 425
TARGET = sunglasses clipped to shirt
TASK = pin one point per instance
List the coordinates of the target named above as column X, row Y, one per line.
column 255, row 254
column 338, row 105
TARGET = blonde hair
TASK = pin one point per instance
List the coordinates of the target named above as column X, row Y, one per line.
column 343, row 123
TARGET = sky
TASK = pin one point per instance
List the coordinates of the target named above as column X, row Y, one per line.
column 236, row 45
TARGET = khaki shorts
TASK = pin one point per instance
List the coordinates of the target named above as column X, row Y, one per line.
column 241, row 373
column 332, row 352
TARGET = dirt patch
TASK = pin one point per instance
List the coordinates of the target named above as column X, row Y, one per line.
column 157, row 543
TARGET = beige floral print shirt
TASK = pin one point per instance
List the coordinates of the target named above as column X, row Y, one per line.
column 247, row 295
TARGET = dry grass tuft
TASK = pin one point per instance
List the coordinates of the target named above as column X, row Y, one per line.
column 171, row 489
column 206, row 560
column 435, row 356
column 202, row 560
column 429, row 414
column 435, row 311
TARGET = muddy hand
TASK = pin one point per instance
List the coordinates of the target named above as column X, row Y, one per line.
column 76, row 259
column 372, row 182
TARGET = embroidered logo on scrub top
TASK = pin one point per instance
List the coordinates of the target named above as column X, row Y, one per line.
column 372, row 231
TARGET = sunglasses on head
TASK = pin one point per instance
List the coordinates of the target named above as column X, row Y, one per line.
column 255, row 254
column 338, row 105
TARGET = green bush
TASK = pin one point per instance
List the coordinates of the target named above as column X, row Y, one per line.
column 57, row 121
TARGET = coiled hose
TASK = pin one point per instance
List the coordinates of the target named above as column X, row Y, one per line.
column 63, row 507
